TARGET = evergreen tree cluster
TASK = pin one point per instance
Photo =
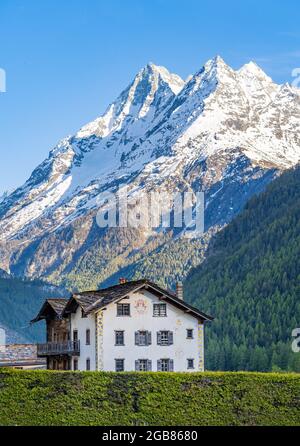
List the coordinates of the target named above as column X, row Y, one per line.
column 250, row 283
column 20, row 301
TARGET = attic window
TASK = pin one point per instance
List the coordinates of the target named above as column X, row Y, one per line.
column 123, row 309
column 159, row 310
column 83, row 314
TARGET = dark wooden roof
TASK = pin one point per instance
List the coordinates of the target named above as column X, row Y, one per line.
column 91, row 301
column 51, row 308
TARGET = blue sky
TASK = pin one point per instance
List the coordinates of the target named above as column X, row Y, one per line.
column 66, row 60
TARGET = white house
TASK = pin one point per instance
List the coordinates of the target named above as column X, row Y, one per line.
column 130, row 326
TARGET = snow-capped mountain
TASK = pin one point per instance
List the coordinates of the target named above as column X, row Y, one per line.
column 223, row 131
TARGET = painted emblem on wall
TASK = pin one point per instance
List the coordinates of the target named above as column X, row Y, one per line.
column 141, row 306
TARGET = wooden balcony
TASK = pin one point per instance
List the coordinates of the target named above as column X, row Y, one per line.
column 71, row 348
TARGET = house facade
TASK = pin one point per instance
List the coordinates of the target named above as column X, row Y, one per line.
column 132, row 326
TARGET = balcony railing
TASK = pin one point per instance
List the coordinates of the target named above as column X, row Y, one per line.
column 59, row 348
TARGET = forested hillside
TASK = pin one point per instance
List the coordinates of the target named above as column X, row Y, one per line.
column 19, row 302
column 250, row 282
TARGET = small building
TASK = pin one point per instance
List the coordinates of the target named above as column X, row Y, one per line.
column 131, row 326
column 21, row 356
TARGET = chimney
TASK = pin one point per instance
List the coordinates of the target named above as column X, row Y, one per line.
column 179, row 290
column 122, row 280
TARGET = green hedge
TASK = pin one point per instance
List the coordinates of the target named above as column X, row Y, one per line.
column 102, row 398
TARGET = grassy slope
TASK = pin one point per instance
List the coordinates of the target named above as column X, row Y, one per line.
column 99, row 398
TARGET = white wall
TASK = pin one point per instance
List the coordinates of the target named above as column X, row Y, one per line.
column 86, row 351
column 142, row 319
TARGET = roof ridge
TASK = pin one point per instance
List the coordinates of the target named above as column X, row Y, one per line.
column 112, row 286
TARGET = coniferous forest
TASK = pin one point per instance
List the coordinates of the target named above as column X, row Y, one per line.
column 20, row 301
column 250, row 282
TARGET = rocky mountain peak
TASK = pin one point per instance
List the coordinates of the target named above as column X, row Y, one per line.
column 223, row 131
column 158, row 73
column 252, row 70
column 150, row 90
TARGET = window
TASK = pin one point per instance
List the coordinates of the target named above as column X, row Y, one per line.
column 164, row 338
column 190, row 363
column 159, row 310
column 88, row 364
column 123, row 309
column 189, row 333
column 143, row 338
column 75, row 364
column 119, row 337
column 88, row 337
column 119, row 365
column 143, row 365
column 75, row 335
column 83, row 314
column 165, row 365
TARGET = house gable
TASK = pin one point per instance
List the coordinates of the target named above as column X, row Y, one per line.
column 51, row 309
column 143, row 320
column 93, row 301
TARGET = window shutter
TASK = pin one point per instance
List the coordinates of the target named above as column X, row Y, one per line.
column 170, row 337
column 149, row 365
column 159, row 365
column 158, row 338
column 148, row 342
column 136, row 336
column 137, row 365
column 171, row 365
